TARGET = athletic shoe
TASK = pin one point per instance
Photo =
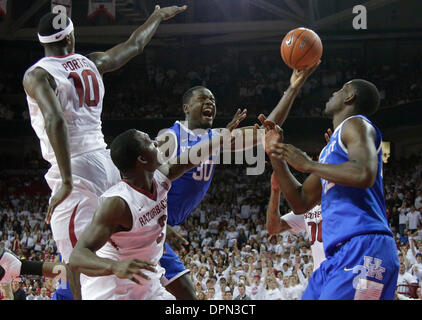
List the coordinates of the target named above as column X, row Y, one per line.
column 10, row 266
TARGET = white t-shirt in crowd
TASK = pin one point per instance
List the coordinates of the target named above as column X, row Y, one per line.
column 403, row 216
column 414, row 218
column 274, row 294
column 406, row 278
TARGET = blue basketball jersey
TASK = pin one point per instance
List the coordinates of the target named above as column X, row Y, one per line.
column 188, row 190
column 349, row 211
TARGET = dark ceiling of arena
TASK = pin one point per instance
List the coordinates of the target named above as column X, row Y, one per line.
column 209, row 22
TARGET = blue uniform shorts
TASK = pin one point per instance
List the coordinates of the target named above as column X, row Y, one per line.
column 172, row 264
column 364, row 268
column 63, row 293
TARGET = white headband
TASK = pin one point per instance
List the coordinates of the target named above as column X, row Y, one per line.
column 57, row 36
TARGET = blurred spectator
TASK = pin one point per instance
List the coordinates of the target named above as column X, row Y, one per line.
column 242, row 293
column 414, row 219
column 404, row 280
column 32, row 294
column 18, row 293
column 255, row 81
column 43, row 295
column 403, row 218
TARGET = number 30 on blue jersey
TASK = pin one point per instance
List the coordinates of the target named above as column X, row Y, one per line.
column 204, row 171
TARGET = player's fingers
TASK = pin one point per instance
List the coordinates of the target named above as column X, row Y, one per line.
column 276, row 150
column 50, row 211
column 278, row 129
column 278, row 145
column 181, row 238
column 277, row 156
column 236, row 124
column 144, row 262
column 287, row 147
column 143, row 275
column 269, row 125
column 177, row 245
column 327, row 138
column 314, row 67
column 134, row 279
column 262, row 118
column 148, row 267
column 136, row 269
column 176, row 11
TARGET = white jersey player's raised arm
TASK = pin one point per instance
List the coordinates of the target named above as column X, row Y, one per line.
column 310, row 222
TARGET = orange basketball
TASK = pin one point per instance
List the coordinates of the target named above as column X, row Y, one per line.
column 301, row 49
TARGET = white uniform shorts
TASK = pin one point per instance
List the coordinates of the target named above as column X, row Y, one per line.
column 93, row 173
column 113, row 288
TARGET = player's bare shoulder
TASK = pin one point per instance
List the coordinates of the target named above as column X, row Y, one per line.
column 100, row 59
column 37, row 76
column 356, row 128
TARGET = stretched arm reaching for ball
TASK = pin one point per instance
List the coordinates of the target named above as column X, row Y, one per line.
column 297, row 80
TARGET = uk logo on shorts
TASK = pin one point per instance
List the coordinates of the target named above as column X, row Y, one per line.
column 365, row 288
column 371, row 269
column 374, row 269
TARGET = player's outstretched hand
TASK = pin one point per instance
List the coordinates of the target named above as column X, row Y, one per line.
column 175, row 238
column 273, row 133
column 237, row 119
column 127, row 269
column 169, row 12
column 299, row 78
column 58, row 198
column 328, row 135
column 294, row 156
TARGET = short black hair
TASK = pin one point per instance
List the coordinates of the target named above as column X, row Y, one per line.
column 188, row 94
column 125, row 149
column 367, row 99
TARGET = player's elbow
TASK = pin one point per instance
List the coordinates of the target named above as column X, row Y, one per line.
column 73, row 261
column 299, row 210
column 134, row 46
column 54, row 120
column 366, row 179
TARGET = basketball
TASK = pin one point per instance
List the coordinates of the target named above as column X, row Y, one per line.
column 301, row 49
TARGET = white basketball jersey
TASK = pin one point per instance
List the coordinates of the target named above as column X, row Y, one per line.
column 310, row 222
column 80, row 90
column 144, row 241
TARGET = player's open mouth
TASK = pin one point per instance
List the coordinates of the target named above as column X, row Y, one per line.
column 208, row 113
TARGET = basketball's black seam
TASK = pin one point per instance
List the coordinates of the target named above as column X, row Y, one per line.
column 315, row 40
column 293, row 47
